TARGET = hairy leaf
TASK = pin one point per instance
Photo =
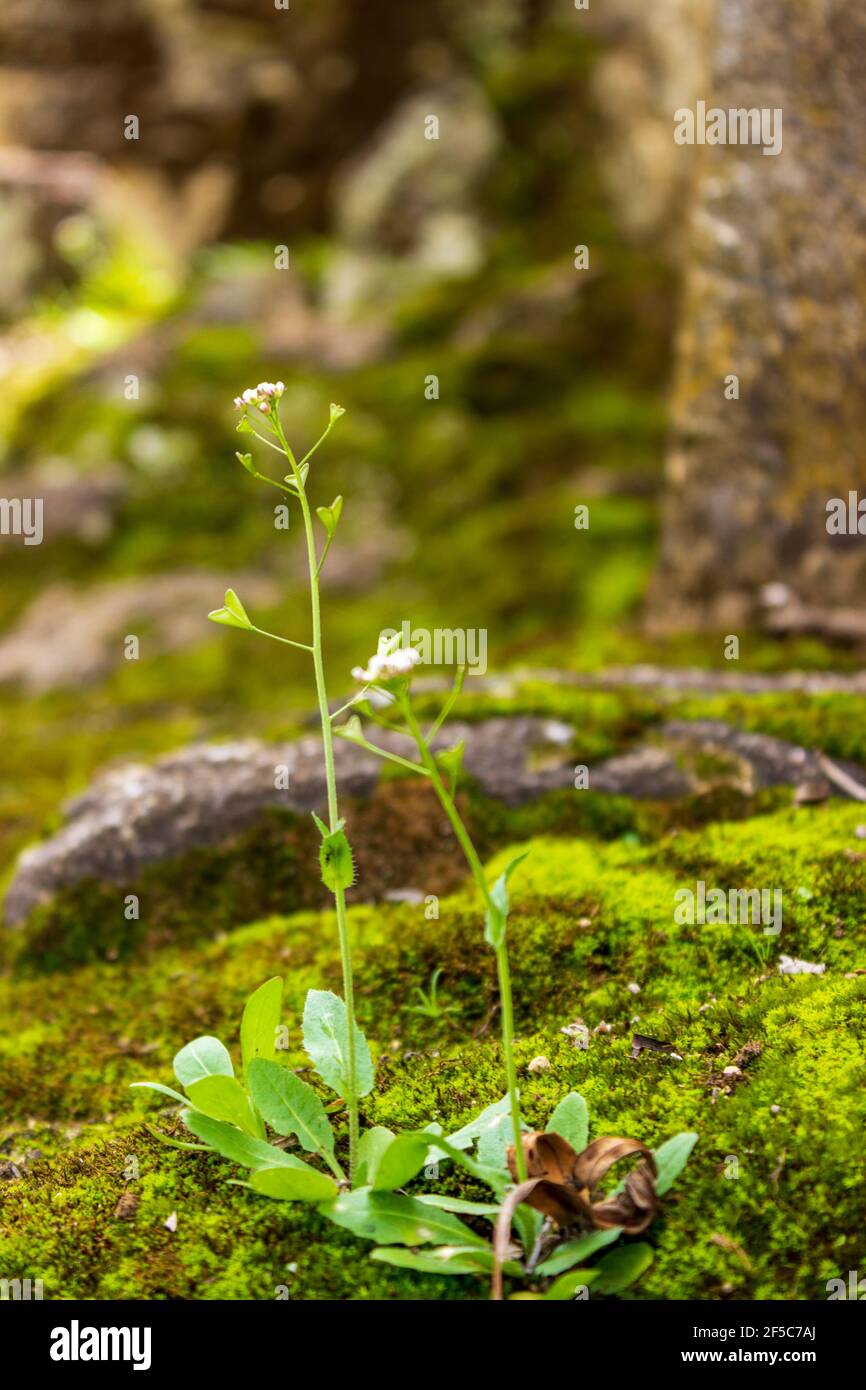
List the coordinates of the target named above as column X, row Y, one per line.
column 326, row 1039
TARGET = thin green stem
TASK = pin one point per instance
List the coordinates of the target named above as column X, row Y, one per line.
column 502, row 969
column 324, row 555
column 333, row 811
column 301, row 646
column 391, row 757
column 448, row 705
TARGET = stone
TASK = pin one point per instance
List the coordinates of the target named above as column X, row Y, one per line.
column 136, row 815
column 774, row 294
column 69, row 636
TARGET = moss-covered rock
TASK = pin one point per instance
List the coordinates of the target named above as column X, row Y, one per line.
column 589, row 919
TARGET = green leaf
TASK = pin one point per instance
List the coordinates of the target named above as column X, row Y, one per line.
column 164, row 1090
column 487, row 1119
column 493, row 1141
column 351, row 730
column 232, row 1143
column 243, row 426
column 176, row 1143
column 496, row 920
column 224, row 1098
column 303, row 1184
column 232, row 614
column 330, row 516
column 371, row 1146
column 326, row 1039
column 571, row 1120
column 575, row 1250
column 261, row 1019
column 290, row 1106
column 567, row 1286
column 303, row 469
column 443, row 1259
column 458, row 1204
column 202, row 1057
column 492, row 1176
column 401, row 1161
column 671, row 1158
column 622, row 1267
column 335, row 858
column 391, row 1219
column 451, row 762
column 247, row 461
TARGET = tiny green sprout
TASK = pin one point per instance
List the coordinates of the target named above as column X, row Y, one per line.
column 429, row 1005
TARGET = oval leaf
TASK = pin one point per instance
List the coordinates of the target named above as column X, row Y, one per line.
column 241, row 1148
column 392, row 1219
column 303, row 1184
column 372, row 1145
column 671, row 1158
column 202, row 1057
column 571, row 1120
column 260, row 1022
column 567, row 1286
column 621, row 1268
column 224, row 1098
column 445, row 1259
column 573, row 1251
column 326, row 1039
column 290, row 1106
column 399, row 1162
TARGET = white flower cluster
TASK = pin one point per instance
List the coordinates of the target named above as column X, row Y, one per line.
column 385, row 665
column 262, row 395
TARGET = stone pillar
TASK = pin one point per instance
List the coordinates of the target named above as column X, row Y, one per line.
column 774, row 294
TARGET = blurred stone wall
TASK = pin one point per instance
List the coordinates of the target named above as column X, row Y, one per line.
column 775, row 293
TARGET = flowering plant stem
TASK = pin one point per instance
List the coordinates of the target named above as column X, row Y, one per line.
column 331, row 781
column 501, row 951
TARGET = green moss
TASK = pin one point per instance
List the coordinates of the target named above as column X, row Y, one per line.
column 589, row 918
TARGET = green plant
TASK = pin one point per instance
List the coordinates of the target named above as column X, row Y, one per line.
column 429, row 1005
column 336, row 861
column 231, row 1115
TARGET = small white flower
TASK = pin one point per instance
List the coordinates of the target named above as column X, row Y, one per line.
column 262, row 395
column 387, row 664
